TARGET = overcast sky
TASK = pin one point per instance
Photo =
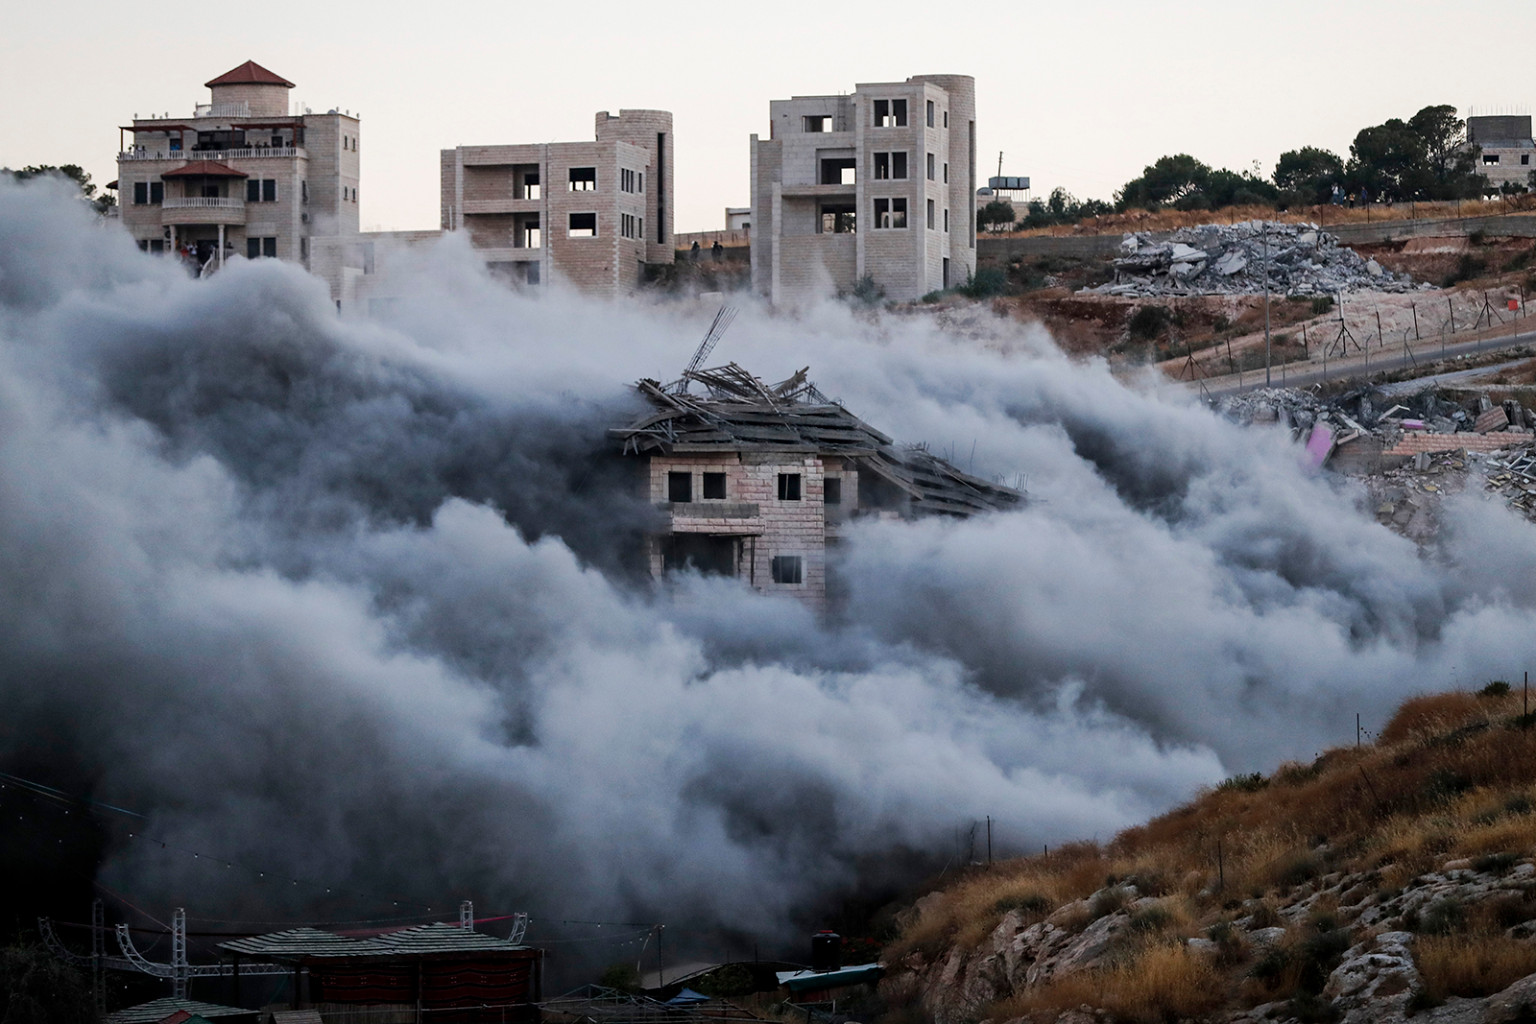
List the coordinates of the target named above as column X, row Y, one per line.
column 1077, row 95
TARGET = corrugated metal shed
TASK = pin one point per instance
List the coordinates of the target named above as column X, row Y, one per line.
column 158, row 1010
column 304, row 944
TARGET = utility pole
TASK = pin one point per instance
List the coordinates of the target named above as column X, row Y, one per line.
column 1266, row 303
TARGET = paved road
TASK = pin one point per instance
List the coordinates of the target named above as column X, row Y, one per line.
column 1355, row 368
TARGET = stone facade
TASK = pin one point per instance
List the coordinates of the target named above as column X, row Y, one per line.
column 592, row 214
column 878, row 184
column 1508, row 151
column 242, row 176
column 761, row 509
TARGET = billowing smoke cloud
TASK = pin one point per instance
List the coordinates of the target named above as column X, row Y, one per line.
column 357, row 599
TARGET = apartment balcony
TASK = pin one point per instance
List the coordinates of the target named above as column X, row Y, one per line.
column 504, row 204
column 240, row 109
column 251, row 153
column 202, row 210
column 817, row 191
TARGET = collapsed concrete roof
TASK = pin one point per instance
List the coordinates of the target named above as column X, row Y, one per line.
column 741, row 413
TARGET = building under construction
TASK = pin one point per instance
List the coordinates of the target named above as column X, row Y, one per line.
column 759, row 480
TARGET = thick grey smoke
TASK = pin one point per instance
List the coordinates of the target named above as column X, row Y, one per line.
column 355, row 598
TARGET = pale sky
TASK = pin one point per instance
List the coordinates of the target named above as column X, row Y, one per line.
column 1081, row 95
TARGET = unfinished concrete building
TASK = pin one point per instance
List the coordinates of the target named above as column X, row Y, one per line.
column 591, row 213
column 242, row 175
column 878, row 184
column 759, row 481
column 1507, row 148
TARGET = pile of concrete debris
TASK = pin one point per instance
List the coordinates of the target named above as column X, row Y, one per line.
column 1217, row 259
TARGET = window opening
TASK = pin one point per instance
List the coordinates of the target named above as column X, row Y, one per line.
column 817, row 123
column 890, row 165
column 839, row 170
column 832, row 490
column 789, row 486
column 930, row 113
column 583, row 179
column 583, row 225
column 931, row 224
column 930, row 167
column 891, row 213
column 788, row 569
column 890, row 113
column 680, row 487
column 836, row 219
column 714, row 486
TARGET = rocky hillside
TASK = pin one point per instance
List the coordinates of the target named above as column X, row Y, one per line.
column 1378, row 883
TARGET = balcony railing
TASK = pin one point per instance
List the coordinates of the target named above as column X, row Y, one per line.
column 202, row 203
column 249, row 153
column 239, row 109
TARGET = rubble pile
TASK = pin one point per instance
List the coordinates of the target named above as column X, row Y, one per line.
column 1217, row 259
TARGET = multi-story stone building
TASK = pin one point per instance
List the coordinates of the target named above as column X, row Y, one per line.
column 759, row 481
column 1507, row 148
column 593, row 214
column 878, row 184
column 241, row 175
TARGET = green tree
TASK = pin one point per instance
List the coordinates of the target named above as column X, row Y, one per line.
column 73, row 172
column 1445, row 143
column 1389, row 159
column 996, row 215
column 1170, row 180
column 1308, row 174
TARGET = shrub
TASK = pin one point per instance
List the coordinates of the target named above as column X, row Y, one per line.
column 984, row 284
column 1155, row 918
column 1029, row 903
column 1242, row 783
column 1497, row 688
column 1322, row 304
column 1149, row 322
column 1495, row 863
column 1442, row 917
column 931, row 297
column 1106, row 902
column 1165, row 983
column 867, row 291
column 1471, row 966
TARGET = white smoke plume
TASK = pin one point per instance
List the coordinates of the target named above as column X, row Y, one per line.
column 355, row 598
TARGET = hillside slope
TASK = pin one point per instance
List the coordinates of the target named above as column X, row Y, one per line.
column 1378, row 883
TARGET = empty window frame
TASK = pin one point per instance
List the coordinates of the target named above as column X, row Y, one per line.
column 583, row 179
column 832, row 490
column 890, row 113
column 931, row 163
column 789, row 486
column 714, row 486
column 839, row 170
column 1525, row 159
column 890, row 214
column 680, row 487
column 630, row 226
column 627, row 180
column 788, row 569
column 931, row 216
column 816, row 123
column 946, row 220
column 836, row 219
column 529, row 232
column 582, row 225
column 1490, row 158
column 946, row 172
column 890, row 165
column 528, row 184
column 930, row 113
column 946, row 119
column 256, row 248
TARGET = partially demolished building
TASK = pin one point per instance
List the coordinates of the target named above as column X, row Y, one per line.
column 758, row 481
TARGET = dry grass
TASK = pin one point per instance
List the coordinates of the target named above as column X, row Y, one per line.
column 1453, row 776
column 1169, row 220
column 1472, row 965
column 1166, row 982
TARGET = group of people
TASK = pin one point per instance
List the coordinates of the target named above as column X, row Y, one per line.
column 716, row 251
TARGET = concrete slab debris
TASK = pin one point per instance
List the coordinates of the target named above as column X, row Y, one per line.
column 1217, row 259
